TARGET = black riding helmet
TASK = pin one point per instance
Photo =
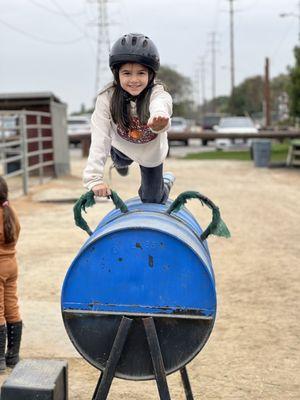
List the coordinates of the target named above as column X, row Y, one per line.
column 134, row 47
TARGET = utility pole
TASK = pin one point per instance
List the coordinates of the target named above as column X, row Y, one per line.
column 267, row 97
column 196, row 88
column 200, row 84
column 213, row 68
column 232, row 67
column 202, row 74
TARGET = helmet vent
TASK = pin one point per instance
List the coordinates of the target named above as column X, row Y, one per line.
column 123, row 41
column 145, row 43
column 134, row 39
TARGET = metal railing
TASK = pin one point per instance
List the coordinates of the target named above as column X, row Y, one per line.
column 23, row 135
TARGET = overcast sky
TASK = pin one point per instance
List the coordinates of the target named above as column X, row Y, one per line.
column 50, row 45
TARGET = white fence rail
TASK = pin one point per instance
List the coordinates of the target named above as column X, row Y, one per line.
column 26, row 144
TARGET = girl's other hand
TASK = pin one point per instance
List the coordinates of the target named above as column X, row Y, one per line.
column 158, row 123
column 101, row 190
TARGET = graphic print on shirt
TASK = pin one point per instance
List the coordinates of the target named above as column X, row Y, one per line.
column 138, row 132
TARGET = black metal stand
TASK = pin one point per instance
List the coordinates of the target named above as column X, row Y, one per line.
column 186, row 384
column 106, row 377
column 157, row 360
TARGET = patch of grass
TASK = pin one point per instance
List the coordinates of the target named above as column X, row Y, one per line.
column 278, row 154
column 279, row 151
column 243, row 155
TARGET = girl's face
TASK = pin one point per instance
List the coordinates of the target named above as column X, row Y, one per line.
column 134, row 78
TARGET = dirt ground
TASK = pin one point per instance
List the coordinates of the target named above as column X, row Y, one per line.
column 253, row 352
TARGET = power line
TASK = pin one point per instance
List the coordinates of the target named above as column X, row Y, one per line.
column 38, row 38
column 250, row 7
column 292, row 14
column 75, row 24
column 201, row 80
column 79, row 13
column 281, row 42
column 72, row 22
column 217, row 13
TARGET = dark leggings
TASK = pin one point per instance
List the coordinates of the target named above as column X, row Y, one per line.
column 152, row 189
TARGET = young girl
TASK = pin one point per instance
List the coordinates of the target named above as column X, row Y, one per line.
column 130, row 121
column 9, row 309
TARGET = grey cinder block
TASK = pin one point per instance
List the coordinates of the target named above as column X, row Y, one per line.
column 37, row 380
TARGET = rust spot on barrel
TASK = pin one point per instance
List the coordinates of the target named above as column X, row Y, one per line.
column 151, row 262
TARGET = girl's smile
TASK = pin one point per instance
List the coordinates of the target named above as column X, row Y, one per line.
column 134, row 78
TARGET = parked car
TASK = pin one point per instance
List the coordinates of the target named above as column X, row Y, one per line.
column 208, row 122
column 78, row 125
column 239, row 125
column 179, row 125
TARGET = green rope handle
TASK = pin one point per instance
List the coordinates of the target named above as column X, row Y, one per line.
column 216, row 227
column 88, row 200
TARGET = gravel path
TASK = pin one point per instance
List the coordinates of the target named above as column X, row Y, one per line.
column 253, row 352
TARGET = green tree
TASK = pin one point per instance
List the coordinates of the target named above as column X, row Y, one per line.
column 180, row 88
column 247, row 98
column 294, row 88
column 279, row 97
column 219, row 105
column 280, row 84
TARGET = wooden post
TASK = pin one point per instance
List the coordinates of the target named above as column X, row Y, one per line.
column 85, row 146
column 267, row 97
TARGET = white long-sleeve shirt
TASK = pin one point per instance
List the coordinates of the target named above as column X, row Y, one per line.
column 104, row 135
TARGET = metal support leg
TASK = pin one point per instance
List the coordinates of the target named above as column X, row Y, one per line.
column 186, row 384
column 157, row 360
column 97, row 386
column 107, row 375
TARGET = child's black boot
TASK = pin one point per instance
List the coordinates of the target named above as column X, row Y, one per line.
column 14, row 335
column 2, row 347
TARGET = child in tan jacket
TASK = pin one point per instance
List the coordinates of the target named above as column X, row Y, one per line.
column 10, row 320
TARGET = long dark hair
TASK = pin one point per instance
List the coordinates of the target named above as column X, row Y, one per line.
column 120, row 101
column 9, row 222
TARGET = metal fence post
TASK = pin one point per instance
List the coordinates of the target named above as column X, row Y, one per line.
column 23, row 133
column 40, row 147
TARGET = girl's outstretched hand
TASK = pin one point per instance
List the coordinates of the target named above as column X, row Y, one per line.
column 158, row 123
column 101, row 190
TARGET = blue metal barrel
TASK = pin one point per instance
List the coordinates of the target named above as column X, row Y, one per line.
column 141, row 263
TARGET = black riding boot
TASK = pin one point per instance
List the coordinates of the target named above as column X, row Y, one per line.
column 2, row 347
column 14, row 334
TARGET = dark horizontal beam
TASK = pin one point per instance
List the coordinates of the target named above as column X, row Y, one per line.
column 211, row 135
